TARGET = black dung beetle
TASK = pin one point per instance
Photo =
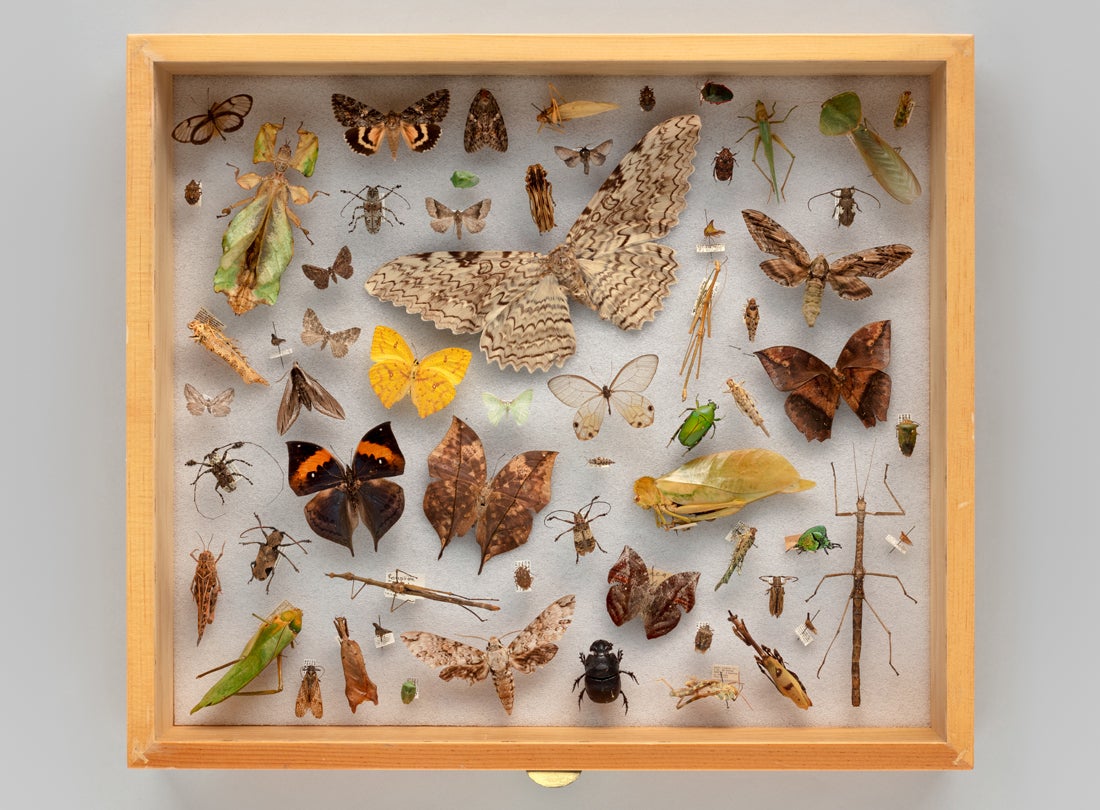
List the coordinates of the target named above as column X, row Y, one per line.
column 602, row 676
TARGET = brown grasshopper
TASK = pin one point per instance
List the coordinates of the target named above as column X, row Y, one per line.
column 205, row 586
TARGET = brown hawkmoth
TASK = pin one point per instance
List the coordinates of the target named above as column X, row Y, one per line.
column 656, row 596
column 794, row 265
column 485, row 124
column 302, row 390
column 532, row 648
column 858, row 377
column 417, row 124
column 309, row 693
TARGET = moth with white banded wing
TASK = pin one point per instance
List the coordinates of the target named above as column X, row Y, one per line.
column 610, row 262
column 417, row 124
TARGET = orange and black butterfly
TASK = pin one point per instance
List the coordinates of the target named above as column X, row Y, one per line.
column 858, row 377
column 347, row 494
column 417, row 124
column 225, row 116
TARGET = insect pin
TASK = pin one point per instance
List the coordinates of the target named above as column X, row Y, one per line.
column 844, row 211
column 584, row 542
column 271, row 549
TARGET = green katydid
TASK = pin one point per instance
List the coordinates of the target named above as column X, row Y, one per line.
column 843, row 115
column 762, row 126
column 277, row 631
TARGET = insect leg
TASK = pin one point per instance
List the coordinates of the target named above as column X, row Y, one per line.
column 889, row 637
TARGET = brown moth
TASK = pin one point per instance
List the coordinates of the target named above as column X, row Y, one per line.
column 584, row 542
column 270, row 550
column 198, row 403
column 610, row 261
column 656, row 596
column 523, row 577
column 358, row 687
column 752, row 318
column 746, row 403
column 858, row 377
column 646, row 99
column 192, row 192
column 309, row 693
column 532, row 648
column 303, row 390
column 541, row 197
column 443, row 217
column 209, row 332
column 723, row 164
column 794, row 265
column 776, row 593
column 417, row 124
column 341, row 268
column 461, row 495
column 313, row 333
column 205, row 585
column 485, row 124
column 703, row 637
column 583, row 155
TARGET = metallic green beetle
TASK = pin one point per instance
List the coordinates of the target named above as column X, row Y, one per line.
column 814, row 538
column 700, row 421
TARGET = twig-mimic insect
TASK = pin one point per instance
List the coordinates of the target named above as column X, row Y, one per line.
column 858, row 572
column 762, row 126
column 775, row 593
column 844, row 210
column 584, row 541
column 263, row 567
column 218, row 464
column 699, row 329
column 696, row 689
column 746, row 537
column 418, row 591
column 372, row 209
column 205, row 586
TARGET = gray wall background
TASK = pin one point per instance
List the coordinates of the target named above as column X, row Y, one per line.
column 63, row 738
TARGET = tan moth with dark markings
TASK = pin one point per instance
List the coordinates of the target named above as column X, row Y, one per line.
column 199, row 403
column 314, row 332
column 485, row 124
column 309, row 693
column 443, row 217
column 540, row 195
column 584, row 542
column 205, row 585
column 609, row 262
column 417, row 124
column 532, row 648
column 583, row 155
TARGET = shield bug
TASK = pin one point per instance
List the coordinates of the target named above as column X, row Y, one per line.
column 409, row 691
column 775, row 593
column 263, row 567
column 815, row 538
column 907, row 434
column 723, row 163
column 714, row 93
column 584, row 542
column 699, row 422
column 602, row 675
column 192, row 192
column 703, row 637
column 844, row 211
column 372, row 208
column 522, row 575
column 646, row 100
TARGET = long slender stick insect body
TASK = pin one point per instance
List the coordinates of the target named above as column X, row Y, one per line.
column 700, row 327
column 421, row 591
column 762, row 126
column 857, row 595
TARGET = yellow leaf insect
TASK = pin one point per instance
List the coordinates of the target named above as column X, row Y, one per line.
column 431, row 382
column 716, row 485
column 561, row 110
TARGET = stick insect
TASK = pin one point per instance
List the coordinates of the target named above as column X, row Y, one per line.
column 699, row 328
column 416, row 591
column 856, row 597
column 762, row 126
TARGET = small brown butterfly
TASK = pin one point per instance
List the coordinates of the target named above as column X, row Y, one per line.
column 858, row 377
column 198, row 403
column 302, row 389
column 443, row 217
column 417, row 124
column 225, row 116
column 540, row 194
column 313, row 332
column 461, row 495
column 658, row 598
column 341, row 268
column 485, row 124
column 794, row 265
column 585, row 156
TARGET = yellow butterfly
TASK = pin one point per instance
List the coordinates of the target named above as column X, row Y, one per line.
column 396, row 371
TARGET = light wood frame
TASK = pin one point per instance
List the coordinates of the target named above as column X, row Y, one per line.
column 153, row 740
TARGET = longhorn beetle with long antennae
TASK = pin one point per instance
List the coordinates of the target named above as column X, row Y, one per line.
column 858, row 572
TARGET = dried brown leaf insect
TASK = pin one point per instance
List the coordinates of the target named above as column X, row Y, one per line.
column 358, row 687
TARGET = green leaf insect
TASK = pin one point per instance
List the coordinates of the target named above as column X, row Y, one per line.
column 461, row 179
column 277, row 631
column 814, row 538
column 716, row 485
column 843, row 115
column 259, row 242
column 408, row 691
column 699, row 422
column 762, row 126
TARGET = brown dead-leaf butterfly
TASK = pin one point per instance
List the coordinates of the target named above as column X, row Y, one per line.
column 658, row 598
